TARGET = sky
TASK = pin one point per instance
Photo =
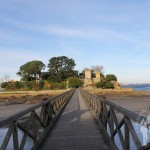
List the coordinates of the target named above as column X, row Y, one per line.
column 110, row 33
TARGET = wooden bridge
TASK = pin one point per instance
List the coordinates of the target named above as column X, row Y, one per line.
column 74, row 120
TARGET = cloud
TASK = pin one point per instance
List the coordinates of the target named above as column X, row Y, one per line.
column 102, row 27
column 87, row 32
column 64, row 31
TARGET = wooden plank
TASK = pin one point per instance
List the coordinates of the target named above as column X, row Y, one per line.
column 15, row 138
column 133, row 133
column 118, row 126
column 52, row 123
column 76, row 129
column 127, row 136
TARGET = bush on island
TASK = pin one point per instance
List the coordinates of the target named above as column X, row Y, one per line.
column 101, row 85
column 57, row 86
column 4, row 84
column 74, row 82
column 105, row 85
column 109, row 85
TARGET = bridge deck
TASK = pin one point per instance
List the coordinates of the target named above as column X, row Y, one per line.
column 75, row 129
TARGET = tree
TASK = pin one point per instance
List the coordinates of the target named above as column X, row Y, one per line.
column 111, row 77
column 74, row 82
column 60, row 68
column 31, row 70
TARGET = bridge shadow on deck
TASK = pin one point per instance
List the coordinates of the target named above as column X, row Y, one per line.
column 76, row 129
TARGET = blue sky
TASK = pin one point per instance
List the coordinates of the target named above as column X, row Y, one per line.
column 114, row 34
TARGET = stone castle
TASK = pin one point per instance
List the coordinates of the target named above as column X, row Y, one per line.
column 88, row 79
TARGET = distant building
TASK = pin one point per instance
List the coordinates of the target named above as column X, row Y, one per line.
column 88, row 79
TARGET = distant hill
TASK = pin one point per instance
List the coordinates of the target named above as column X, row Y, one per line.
column 136, row 85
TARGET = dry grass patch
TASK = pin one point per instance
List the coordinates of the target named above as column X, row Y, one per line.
column 29, row 96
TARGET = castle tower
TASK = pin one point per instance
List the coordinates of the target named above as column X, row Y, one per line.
column 87, row 79
column 97, row 74
column 98, row 77
column 87, row 74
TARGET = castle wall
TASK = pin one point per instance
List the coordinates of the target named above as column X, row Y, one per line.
column 87, row 81
column 95, row 80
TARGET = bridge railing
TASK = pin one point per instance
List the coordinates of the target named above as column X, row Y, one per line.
column 112, row 118
column 34, row 123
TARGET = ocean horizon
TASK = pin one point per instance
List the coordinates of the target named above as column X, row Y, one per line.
column 142, row 89
column 138, row 87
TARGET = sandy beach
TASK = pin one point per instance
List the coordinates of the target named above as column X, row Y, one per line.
column 139, row 105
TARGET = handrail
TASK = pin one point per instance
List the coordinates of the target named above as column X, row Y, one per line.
column 38, row 118
column 106, row 114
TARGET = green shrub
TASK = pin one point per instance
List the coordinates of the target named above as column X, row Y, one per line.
column 18, row 85
column 4, row 84
column 10, row 86
column 40, row 85
column 105, row 85
column 30, row 85
column 101, row 85
column 74, row 82
column 109, row 85
column 57, row 86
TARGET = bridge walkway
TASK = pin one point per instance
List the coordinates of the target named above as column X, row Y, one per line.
column 75, row 129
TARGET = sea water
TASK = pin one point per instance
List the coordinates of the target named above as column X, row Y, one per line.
column 1, row 90
column 142, row 89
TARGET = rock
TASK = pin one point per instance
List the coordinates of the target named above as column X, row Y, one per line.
column 116, row 85
column 27, row 102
